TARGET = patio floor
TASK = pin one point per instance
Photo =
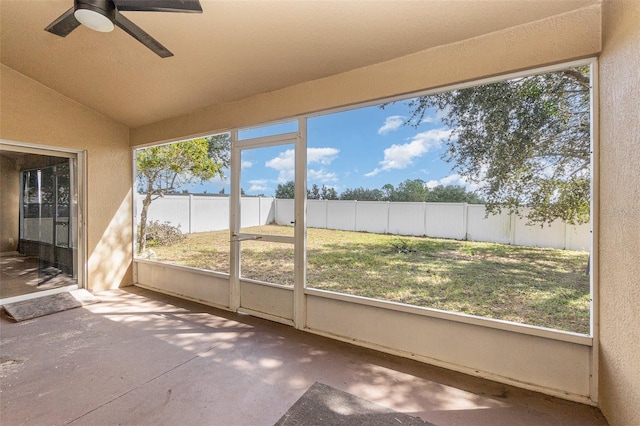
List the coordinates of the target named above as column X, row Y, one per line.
column 142, row 358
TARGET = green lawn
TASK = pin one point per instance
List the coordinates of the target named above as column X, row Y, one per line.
column 544, row 287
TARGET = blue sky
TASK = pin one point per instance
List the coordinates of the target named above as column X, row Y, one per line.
column 366, row 147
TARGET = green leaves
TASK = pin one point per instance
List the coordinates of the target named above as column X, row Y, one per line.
column 525, row 142
column 286, row 190
column 164, row 168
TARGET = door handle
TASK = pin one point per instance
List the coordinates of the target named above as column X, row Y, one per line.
column 236, row 237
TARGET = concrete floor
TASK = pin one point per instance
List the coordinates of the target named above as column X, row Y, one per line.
column 141, row 358
column 26, row 274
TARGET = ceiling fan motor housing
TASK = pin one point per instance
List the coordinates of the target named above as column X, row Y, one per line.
column 105, row 8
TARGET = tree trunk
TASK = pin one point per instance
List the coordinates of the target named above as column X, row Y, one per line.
column 142, row 232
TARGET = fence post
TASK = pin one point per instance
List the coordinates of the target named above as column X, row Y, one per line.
column 275, row 210
column 388, row 217
column 425, row 226
column 355, row 215
column 191, row 210
column 512, row 230
column 465, row 221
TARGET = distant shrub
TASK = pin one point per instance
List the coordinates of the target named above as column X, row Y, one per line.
column 163, row 234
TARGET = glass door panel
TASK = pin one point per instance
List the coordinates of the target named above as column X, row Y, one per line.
column 266, row 240
column 268, row 172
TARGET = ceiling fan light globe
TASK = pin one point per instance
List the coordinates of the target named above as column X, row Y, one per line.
column 94, row 20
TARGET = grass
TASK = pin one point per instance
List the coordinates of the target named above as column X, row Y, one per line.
column 530, row 285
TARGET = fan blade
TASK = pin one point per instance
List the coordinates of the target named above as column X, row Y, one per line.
column 144, row 38
column 64, row 24
column 187, row 6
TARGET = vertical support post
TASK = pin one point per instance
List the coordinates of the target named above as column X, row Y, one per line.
column 73, row 219
column 595, row 222
column 300, row 227
column 234, row 225
column 81, row 233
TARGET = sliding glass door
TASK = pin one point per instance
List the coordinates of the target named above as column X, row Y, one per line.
column 39, row 226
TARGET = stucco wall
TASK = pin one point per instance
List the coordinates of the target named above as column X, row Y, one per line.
column 9, row 209
column 619, row 217
column 32, row 113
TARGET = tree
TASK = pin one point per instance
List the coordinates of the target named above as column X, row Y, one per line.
column 525, row 142
column 362, row 194
column 388, row 191
column 313, row 193
column 164, row 168
column 410, row 190
column 286, row 190
column 328, row 193
column 452, row 194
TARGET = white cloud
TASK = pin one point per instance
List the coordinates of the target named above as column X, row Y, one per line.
column 390, row 124
column 453, row 179
column 428, row 119
column 401, row 156
column 323, row 156
column 285, row 160
column 321, row 176
column 246, row 164
column 284, row 163
column 258, row 185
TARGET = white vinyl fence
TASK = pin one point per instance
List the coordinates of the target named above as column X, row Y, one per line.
column 442, row 220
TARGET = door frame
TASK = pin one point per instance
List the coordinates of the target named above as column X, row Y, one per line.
column 299, row 141
column 79, row 232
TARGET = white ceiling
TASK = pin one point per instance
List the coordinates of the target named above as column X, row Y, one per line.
column 236, row 49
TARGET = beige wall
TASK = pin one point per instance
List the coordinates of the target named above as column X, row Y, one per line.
column 31, row 113
column 619, row 217
column 9, row 204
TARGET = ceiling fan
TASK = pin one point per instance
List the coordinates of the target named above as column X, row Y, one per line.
column 103, row 15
